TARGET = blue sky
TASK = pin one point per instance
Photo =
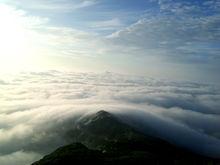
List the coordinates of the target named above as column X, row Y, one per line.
column 161, row 38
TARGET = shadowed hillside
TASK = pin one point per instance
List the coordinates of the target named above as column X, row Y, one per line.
column 102, row 139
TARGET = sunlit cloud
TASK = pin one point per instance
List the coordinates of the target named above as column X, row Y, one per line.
column 31, row 99
column 53, row 6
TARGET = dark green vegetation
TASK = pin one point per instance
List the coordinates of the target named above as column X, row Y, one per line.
column 110, row 141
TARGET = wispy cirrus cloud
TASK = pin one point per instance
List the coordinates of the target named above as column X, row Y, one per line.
column 55, row 6
column 185, row 38
column 107, row 25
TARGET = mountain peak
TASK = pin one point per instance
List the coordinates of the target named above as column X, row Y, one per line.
column 101, row 128
column 101, row 138
column 103, row 113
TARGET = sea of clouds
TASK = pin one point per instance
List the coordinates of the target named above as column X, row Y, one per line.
column 35, row 107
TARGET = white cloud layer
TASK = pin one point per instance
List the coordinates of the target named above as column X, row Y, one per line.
column 36, row 108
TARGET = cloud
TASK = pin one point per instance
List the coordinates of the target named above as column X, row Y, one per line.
column 38, row 107
column 112, row 24
column 2, row 82
column 87, row 3
column 153, row 122
column 181, row 39
column 18, row 158
column 55, row 6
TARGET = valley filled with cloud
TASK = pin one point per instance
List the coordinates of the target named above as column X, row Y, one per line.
column 37, row 109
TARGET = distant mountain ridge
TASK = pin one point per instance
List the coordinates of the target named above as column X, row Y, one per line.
column 101, row 138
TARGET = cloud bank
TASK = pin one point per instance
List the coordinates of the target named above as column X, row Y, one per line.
column 36, row 108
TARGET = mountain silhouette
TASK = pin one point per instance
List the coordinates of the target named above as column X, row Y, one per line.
column 101, row 138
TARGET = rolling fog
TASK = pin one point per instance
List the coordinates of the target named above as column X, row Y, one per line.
column 36, row 108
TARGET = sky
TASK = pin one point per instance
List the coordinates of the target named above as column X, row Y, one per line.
column 173, row 39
